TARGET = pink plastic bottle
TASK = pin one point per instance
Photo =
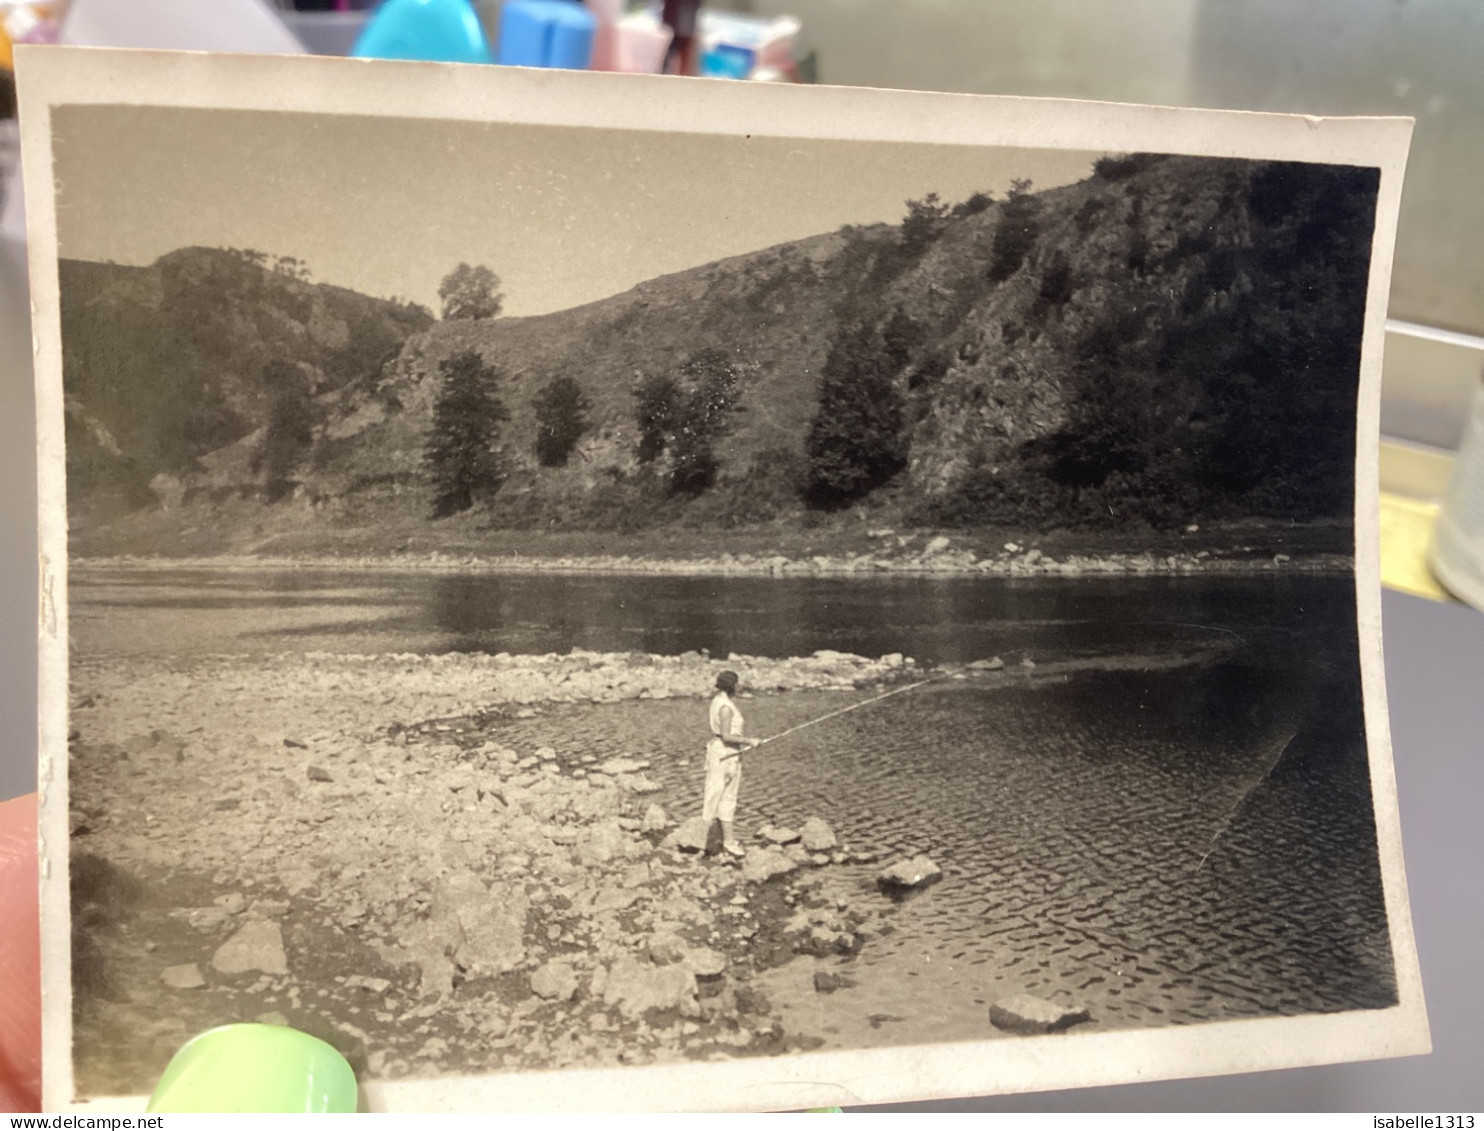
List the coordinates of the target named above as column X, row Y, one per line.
column 605, row 39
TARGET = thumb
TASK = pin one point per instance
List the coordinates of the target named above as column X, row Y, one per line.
column 20, row 958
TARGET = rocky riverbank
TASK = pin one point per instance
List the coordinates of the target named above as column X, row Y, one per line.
column 297, row 840
column 909, row 556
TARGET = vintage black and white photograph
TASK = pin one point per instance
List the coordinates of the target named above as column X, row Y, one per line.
column 606, row 597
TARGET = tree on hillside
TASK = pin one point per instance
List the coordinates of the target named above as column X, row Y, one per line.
column 460, row 452
column 470, row 292
column 1280, row 355
column 1017, row 232
column 249, row 255
column 683, row 415
column 925, row 219
column 561, row 419
column 1233, row 393
column 974, row 204
column 290, row 267
column 657, row 412
column 901, row 337
column 857, row 440
column 714, row 388
column 289, row 430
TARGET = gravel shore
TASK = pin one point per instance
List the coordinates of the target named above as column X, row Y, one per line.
column 333, row 841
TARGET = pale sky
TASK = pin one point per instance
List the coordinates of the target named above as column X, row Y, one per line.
column 564, row 215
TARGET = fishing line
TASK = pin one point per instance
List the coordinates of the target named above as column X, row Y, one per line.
column 1237, row 808
column 846, row 710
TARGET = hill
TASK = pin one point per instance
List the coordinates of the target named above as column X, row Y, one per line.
column 1171, row 341
column 164, row 365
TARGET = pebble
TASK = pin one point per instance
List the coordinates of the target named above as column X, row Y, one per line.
column 376, row 986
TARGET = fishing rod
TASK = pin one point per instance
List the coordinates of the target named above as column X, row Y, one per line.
column 845, row 710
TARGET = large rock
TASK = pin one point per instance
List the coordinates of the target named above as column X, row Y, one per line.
column 493, row 923
column 614, row 899
column 208, row 920
column 779, row 835
column 556, row 981
column 257, row 945
column 616, row 766
column 655, row 820
column 604, row 842
column 826, row 982
column 759, row 867
column 691, row 836
column 1028, row 1014
column 993, row 664
column 635, row 876
column 797, row 853
column 909, row 875
column 638, row 783
column 704, row 962
column 818, row 836
column 637, row 987
column 752, row 1000
column 187, row 976
column 427, row 943
column 665, row 948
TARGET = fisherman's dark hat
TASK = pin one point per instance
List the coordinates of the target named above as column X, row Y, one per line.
column 727, row 681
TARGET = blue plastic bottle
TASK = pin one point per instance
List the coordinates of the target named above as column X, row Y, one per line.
column 437, row 31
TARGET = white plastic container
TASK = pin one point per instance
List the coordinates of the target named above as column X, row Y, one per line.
column 640, row 44
column 1457, row 551
column 771, row 40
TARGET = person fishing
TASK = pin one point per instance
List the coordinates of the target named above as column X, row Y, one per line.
column 724, row 762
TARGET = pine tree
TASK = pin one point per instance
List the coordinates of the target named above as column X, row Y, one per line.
column 1017, row 232
column 924, row 222
column 461, row 451
column 288, row 432
column 561, row 419
column 856, row 441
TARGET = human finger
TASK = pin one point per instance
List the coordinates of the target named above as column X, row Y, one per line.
column 20, row 958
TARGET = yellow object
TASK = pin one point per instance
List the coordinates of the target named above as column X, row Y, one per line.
column 1406, row 528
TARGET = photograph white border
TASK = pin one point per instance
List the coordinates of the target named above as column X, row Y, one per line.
column 53, row 77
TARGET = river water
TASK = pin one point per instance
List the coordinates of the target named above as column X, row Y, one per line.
column 1162, row 843
column 935, row 620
